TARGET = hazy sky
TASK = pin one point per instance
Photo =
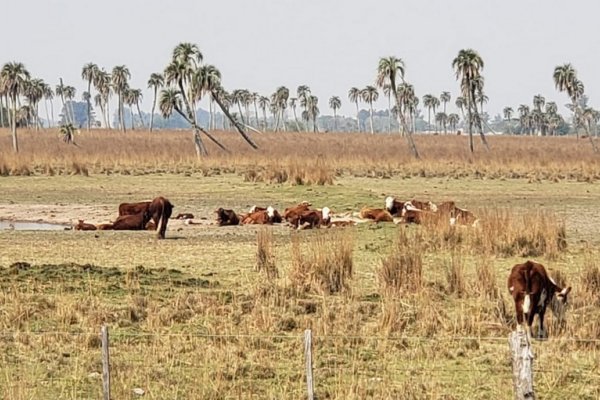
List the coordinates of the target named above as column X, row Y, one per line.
column 328, row 45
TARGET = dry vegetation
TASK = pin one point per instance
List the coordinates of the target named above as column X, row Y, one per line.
column 300, row 158
column 397, row 312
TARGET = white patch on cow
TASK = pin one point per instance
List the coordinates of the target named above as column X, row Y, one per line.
column 511, row 289
column 452, row 221
column 433, row 207
column 526, row 304
column 325, row 212
column 543, row 297
column 270, row 212
column 252, row 209
column 552, row 280
column 389, row 203
column 475, row 224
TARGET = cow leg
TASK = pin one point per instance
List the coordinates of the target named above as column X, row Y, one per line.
column 541, row 330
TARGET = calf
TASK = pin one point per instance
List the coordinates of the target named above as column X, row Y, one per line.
column 313, row 219
column 532, row 290
column 376, row 214
column 226, row 217
column 462, row 216
column 82, row 226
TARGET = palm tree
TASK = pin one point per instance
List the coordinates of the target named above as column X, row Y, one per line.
column 134, row 97
column 69, row 93
column 120, row 77
column 460, row 103
column 524, row 118
column 407, row 102
column 60, row 91
column 565, row 80
column 441, row 119
column 435, row 103
column 354, row 97
column 86, row 97
column 155, row 82
column 282, row 94
column 207, row 79
column 185, row 61
column 370, row 95
column 538, row 102
column 468, row 65
column 453, row 120
column 89, row 73
column 508, row 112
column 264, row 103
column 34, row 92
column 237, row 96
column 254, row 97
column 312, row 110
column 428, row 102
column 445, row 97
column 48, row 96
column 13, row 78
column 103, row 86
column 335, row 103
column 387, row 70
column 292, row 102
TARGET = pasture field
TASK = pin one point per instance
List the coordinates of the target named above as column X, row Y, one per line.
column 397, row 312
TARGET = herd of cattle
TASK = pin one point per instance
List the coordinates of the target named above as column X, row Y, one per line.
column 155, row 214
column 529, row 284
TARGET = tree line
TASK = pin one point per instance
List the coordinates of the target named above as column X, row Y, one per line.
column 186, row 80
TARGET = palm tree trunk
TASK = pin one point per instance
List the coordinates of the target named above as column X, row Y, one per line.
column 265, row 118
column 36, row 116
column 282, row 111
column 471, row 147
column 153, row 107
column 389, row 114
column 237, row 126
column 132, row 117
column 371, row 117
column 479, row 122
column 334, row 120
column 137, row 105
column 14, row 124
column 47, row 115
column 241, row 113
column 256, row 115
column 121, row 113
column 107, row 113
column 357, row 120
column 88, row 103
column 1, row 111
column 70, row 103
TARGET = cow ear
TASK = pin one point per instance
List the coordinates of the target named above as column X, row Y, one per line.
column 567, row 290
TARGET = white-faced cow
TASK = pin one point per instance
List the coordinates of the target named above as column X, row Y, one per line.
column 532, row 290
column 394, row 206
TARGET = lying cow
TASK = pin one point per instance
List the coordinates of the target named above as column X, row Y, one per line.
column 135, row 222
column 461, row 216
column 268, row 216
column 227, row 217
column 82, row 226
column 313, row 219
column 394, row 206
column 376, row 214
column 291, row 214
column 421, row 205
column 532, row 290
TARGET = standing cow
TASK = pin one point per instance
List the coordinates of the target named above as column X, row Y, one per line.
column 532, row 290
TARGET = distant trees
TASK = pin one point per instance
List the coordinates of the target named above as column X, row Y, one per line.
column 89, row 73
column 354, row 97
column 335, row 103
column 155, row 82
column 13, row 78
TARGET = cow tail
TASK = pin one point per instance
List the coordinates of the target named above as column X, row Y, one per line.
column 161, row 221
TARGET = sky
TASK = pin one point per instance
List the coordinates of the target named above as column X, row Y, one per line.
column 329, row 45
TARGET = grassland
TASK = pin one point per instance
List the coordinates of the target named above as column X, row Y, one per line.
column 192, row 318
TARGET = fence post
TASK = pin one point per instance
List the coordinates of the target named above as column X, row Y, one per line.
column 105, row 363
column 308, row 358
column 522, row 365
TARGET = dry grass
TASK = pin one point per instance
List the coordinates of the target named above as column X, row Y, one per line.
column 265, row 260
column 300, row 158
column 325, row 264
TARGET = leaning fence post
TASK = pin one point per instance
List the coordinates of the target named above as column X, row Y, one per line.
column 308, row 358
column 522, row 365
column 105, row 364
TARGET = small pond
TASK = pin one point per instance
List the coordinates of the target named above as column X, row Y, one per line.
column 31, row 226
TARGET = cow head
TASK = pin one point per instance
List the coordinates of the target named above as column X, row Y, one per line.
column 270, row 212
column 389, row 203
column 559, row 303
column 252, row 209
column 325, row 212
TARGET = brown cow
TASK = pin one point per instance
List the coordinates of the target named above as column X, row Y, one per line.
column 394, row 206
column 421, row 205
column 461, row 216
column 135, row 222
column 414, row 216
column 160, row 210
column 290, row 214
column 226, row 217
column 133, row 208
column 532, row 290
column 376, row 214
column 313, row 219
column 268, row 216
column 82, row 226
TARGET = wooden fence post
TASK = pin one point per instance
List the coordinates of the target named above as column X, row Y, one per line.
column 522, row 365
column 308, row 358
column 105, row 364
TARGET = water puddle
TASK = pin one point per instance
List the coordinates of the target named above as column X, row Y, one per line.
column 32, row 226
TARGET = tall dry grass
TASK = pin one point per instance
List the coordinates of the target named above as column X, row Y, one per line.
column 322, row 262
column 299, row 158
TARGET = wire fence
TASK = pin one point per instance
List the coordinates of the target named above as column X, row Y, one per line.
column 162, row 362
